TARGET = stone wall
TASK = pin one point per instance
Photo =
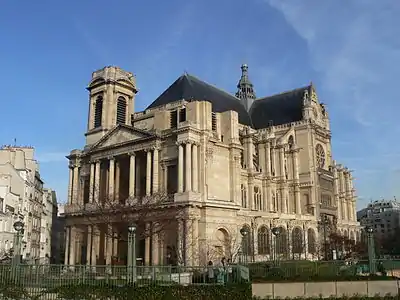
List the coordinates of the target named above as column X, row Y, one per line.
column 326, row 289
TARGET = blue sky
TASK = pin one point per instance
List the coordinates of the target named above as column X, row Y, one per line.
column 350, row 49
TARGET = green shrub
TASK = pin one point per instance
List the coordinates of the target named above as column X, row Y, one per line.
column 135, row 292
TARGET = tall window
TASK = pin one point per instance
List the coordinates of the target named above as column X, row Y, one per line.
column 174, row 119
column 244, row 196
column 263, row 240
column 213, row 122
column 257, row 198
column 121, row 110
column 182, row 115
column 98, row 111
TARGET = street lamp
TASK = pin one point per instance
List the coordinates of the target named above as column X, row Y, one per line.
column 19, row 228
column 244, row 231
column 276, row 231
column 131, row 253
column 371, row 249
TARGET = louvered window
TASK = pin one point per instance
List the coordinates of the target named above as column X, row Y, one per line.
column 213, row 122
column 98, row 111
column 174, row 119
column 182, row 115
column 121, row 110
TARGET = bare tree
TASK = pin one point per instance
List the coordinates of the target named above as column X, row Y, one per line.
column 228, row 246
column 157, row 209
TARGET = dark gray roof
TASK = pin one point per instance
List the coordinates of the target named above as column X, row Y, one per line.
column 278, row 109
column 188, row 87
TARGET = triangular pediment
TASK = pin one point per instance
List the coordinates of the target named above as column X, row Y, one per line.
column 119, row 135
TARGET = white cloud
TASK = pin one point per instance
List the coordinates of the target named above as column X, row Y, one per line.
column 353, row 45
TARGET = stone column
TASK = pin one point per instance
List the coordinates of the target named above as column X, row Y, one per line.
column 251, row 195
column 268, row 159
column 96, row 191
column 155, row 241
column 188, row 157
column 155, row 169
column 179, row 241
column 180, row 168
column 147, row 244
column 165, row 177
column 195, row 241
column 117, row 180
column 132, row 178
column 95, row 245
column 336, row 193
column 70, row 184
column 67, row 245
column 91, row 181
column 89, row 245
column 282, row 162
column 109, row 244
column 148, row 173
column 343, row 195
column 250, row 152
column 188, row 242
column 274, row 171
column 284, row 200
column 75, row 185
column 72, row 246
column 195, row 163
column 266, row 197
column 115, row 244
column 261, row 155
column 296, row 177
column 111, row 178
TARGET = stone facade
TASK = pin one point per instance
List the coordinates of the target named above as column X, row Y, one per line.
column 20, row 180
column 223, row 175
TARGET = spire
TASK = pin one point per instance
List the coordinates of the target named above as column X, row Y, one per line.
column 245, row 90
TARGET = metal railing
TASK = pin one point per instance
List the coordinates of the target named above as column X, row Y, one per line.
column 303, row 270
column 37, row 279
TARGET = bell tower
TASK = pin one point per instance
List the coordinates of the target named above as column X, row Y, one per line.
column 111, row 101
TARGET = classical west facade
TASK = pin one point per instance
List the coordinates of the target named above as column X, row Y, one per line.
column 229, row 162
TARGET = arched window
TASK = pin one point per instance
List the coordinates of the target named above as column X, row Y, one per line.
column 263, row 240
column 297, row 240
column 312, row 247
column 121, row 110
column 244, row 196
column 257, row 198
column 98, row 111
column 282, row 242
column 320, row 152
column 246, row 242
column 274, row 207
column 291, row 141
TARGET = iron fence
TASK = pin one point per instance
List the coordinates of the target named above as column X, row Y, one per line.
column 305, row 270
column 40, row 280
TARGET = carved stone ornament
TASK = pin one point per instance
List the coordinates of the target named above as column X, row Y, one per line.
column 209, row 152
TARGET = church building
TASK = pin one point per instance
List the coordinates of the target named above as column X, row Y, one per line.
column 204, row 174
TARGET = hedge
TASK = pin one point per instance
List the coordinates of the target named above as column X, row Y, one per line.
column 240, row 291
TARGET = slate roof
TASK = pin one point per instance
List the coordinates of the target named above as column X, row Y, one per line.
column 189, row 87
column 273, row 110
column 278, row 109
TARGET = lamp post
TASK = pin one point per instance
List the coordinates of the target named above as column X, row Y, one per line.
column 131, row 253
column 371, row 249
column 244, row 232
column 276, row 231
column 19, row 228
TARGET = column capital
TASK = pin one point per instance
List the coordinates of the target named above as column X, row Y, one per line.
column 132, row 153
column 111, row 157
column 94, row 161
column 180, row 143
